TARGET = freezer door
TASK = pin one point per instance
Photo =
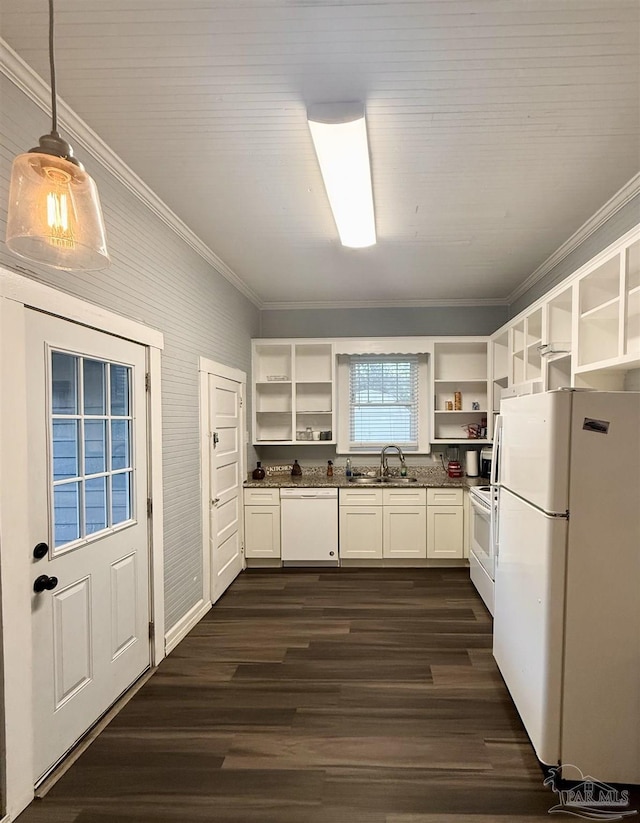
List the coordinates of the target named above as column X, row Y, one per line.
column 528, row 617
column 534, row 449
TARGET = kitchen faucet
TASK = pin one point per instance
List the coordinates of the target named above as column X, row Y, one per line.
column 384, row 467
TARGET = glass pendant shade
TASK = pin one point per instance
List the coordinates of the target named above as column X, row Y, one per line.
column 54, row 214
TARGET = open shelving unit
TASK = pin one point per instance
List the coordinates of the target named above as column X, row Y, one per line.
column 460, row 365
column 293, row 391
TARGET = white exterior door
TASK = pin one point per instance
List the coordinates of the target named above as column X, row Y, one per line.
column 87, row 428
column 225, row 481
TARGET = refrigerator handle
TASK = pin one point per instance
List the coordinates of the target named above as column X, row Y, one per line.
column 497, row 442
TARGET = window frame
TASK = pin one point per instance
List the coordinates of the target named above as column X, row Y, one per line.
column 343, row 404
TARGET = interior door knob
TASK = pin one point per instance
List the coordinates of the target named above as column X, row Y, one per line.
column 40, row 550
column 44, row 582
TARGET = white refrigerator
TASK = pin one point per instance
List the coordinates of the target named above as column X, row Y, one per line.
column 567, row 588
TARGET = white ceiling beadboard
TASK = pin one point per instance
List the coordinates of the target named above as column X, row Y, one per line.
column 497, row 128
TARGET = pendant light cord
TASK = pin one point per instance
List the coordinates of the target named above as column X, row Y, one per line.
column 54, row 103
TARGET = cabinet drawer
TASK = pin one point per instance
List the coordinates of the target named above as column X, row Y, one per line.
column 261, row 497
column 445, row 497
column 360, row 497
column 404, row 497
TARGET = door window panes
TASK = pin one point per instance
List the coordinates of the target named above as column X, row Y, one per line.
column 91, row 434
column 95, row 446
column 66, row 503
column 65, row 449
column 94, row 387
column 121, row 497
column 64, row 383
column 120, row 457
column 95, row 504
column 120, row 377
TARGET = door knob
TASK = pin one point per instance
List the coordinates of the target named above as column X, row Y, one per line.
column 44, row 582
column 40, row 550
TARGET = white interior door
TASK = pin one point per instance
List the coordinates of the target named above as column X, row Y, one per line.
column 88, row 518
column 225, row 481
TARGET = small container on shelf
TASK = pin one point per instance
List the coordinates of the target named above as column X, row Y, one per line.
column 457, row 401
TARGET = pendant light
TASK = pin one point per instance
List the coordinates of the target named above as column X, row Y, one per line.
column 54, row 214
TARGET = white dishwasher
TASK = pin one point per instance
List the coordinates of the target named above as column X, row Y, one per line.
column 309, row 526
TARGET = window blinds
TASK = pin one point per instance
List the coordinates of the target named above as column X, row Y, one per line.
column 383, row 400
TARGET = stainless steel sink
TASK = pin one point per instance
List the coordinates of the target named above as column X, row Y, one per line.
column 371, row 481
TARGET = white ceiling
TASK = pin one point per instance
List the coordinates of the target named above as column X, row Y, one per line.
column 497, row 127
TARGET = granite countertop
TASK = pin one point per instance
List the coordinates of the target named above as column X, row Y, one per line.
column 316, row 478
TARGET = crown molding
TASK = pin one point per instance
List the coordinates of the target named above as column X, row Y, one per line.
column 37, row 90
column 383, row 304
column 618, row 201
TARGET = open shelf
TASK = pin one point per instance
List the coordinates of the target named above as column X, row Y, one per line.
column 313, row 362
column 559, row 372
column 501, row 357
column 601, row 286
column 632, row 332
column 598, row 333
column 534, row 328
column 472, row 391
column 633, row 266
column 457, row 361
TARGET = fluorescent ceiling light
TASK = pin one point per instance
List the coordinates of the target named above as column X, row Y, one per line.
column 339, row 133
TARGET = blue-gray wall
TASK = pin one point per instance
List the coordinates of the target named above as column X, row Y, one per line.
column 157, row 278
column 383, row 322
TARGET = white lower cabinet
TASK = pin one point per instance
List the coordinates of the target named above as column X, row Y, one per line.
column 360, row 516
column 360, row 532
column 445, row 524
column 262, row 523
column 404, row 532
column 383, row 523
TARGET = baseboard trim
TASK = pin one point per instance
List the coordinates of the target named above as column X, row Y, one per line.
column 185, row 624
column 6, row 819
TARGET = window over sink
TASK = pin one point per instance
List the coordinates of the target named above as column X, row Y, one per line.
column 381, row 400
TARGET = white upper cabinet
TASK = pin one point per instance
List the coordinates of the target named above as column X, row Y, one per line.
column 585, row 333
column 293, row 391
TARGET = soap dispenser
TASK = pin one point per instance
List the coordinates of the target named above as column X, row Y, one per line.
column 296, row 471
column 258, row 472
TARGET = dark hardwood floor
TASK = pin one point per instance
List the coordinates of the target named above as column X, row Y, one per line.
column 338, row 696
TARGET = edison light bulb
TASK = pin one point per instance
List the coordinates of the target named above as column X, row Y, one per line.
column 54, row 214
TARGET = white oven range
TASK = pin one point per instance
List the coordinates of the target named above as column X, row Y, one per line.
column 482, row 548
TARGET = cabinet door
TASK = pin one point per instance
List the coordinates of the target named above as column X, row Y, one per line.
column 445, row 532
column 404, row 532
column 262, row 531
column 360, row 532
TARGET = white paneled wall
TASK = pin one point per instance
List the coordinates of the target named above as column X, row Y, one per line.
column 157, row 278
